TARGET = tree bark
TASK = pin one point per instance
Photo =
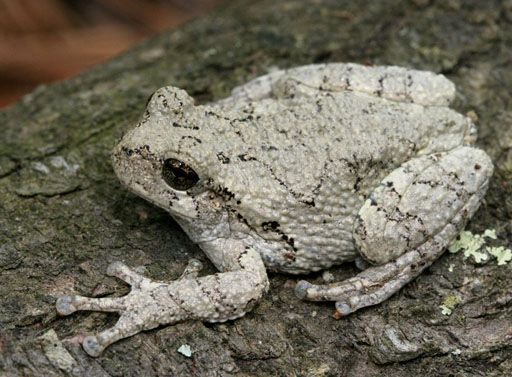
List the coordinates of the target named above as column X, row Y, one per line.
column 64, row 216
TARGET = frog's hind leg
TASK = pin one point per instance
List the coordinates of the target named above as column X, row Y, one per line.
column 389, row 82
column 406, row 224
column 214, row 298
column 375, row 284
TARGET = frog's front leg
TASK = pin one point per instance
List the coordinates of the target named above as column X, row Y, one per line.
column 213, row 298
column 407, row 223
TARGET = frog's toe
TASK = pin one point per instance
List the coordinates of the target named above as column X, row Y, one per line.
column 342, row 309
column 67, row 305
column 91, row 345
column 130, row 323
column 361, row 300
column 301, row 289
column 64, row 305
column 125, row 273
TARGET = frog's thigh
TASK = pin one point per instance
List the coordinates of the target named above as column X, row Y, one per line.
column 390, row 82
column 407, row 223
column 417, row 200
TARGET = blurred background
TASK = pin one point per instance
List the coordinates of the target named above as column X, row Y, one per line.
column 47, row 40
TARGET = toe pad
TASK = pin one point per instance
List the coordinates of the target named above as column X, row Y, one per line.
column 301, row 289
column 65, row 305
column 92, row 346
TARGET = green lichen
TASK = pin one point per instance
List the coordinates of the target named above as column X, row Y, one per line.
column 472, row 245
column 502, row 255
column 490, row 233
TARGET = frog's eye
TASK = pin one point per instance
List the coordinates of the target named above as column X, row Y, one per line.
column 178, row 175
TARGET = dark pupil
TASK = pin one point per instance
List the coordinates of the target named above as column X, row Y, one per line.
column 178, row 175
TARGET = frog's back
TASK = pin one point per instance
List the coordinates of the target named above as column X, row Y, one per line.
column 351, row 128
column 306, row 167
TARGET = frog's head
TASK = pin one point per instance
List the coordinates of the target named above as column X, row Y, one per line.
column 161, row 159
column 213, row 177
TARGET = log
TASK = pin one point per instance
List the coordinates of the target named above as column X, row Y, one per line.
column 64, row 216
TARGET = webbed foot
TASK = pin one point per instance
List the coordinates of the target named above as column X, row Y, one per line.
column 214, row 298
column 139, row 310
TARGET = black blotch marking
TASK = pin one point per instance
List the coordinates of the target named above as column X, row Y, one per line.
column 177, row 125
column 249, row 117
column 223, row 158
column 225, row 193
column 379, row 91
column 409, row 80
column 289, row 240
column 274, row 227
column 127, row 151
column 164, row 102
column 270, row 225
column 177, row 99
column 142, row 150
column 242, row 219
column 239, row 259
column 357, row 183
column 310, row 202
column 319, row 106
column 197, row 140
column 214, row 114
column 149, row 99
column 244, row 157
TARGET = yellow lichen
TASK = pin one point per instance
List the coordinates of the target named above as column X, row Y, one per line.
column 449, row 303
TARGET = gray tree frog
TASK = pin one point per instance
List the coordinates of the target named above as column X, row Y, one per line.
column 297, row 171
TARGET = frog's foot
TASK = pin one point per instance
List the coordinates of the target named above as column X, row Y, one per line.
column 375, row 284
column 213, row 298
column 138, row 310
column 407, row 223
